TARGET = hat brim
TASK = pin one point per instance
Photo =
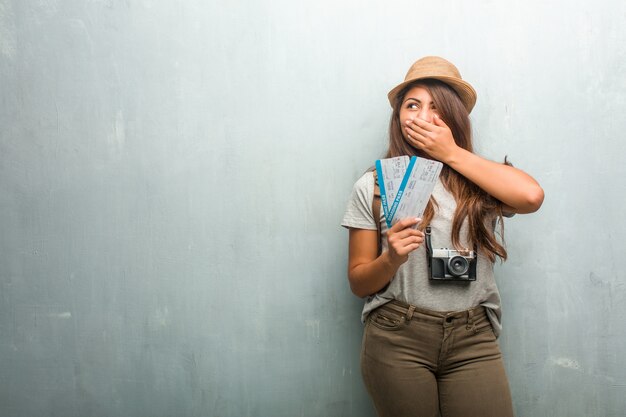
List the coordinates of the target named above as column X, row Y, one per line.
column 466, row 92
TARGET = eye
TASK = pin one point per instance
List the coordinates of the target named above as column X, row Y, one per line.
column 412, row 106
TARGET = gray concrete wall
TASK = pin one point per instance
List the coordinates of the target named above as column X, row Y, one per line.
column 173, row 175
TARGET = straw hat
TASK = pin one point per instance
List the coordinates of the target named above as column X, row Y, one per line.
column 442, row 70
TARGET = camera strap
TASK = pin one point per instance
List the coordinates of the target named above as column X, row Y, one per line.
column 429, row 247
column 376, row 212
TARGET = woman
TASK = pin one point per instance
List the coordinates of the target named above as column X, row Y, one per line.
column 429, row 346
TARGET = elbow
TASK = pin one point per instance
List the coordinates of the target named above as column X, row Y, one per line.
column 534, row 199
column 528, row 201
column 356, row 290
column 355, row 286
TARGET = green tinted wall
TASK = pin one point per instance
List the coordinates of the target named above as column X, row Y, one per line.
column 173, row 175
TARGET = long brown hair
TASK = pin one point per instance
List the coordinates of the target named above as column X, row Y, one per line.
column 473, row 203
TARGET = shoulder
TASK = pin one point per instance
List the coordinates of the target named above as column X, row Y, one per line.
column 359, row 210
column 365, row 183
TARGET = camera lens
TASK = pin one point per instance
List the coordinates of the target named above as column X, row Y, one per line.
column 457, row 266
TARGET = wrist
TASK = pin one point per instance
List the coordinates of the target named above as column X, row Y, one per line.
column 390, row 263
column 455, row 156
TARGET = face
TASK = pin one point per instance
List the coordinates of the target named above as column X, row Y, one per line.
column 417, row 104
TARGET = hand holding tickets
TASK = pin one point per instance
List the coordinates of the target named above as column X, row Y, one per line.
column 405, row 186
column 402, row 239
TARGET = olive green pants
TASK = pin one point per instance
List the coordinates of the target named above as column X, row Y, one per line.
column 422, row 363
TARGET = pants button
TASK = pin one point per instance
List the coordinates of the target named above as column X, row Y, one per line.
column 449, row 319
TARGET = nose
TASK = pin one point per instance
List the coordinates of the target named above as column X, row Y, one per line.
column 426, row 114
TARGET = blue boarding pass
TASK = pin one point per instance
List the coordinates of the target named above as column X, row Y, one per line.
column 406, row 185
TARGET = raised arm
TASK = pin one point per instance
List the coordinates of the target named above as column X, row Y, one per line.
column 517, row 190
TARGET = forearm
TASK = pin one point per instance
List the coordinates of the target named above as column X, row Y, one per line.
column 510, row 185
column 369, row 278
column 369, row 273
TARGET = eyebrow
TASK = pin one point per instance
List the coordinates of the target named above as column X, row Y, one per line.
column 419, row 101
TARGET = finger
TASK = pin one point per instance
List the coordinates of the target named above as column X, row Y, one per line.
column 413, row 247
column 416, row 137
column 408, row 249
column 404, row 223
column 439, row 121
column 419, row 129
column 408, row 232
column 422, row 123
column 412, row 239
column 399, row 246
column 402, row 248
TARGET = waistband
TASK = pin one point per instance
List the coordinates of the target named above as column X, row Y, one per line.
column 411, row 312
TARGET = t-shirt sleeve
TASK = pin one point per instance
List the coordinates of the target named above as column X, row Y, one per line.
column 495, row 218
column 358, row 213
column 508, row 214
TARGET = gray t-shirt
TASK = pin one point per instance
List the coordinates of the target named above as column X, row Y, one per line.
column 410, row 283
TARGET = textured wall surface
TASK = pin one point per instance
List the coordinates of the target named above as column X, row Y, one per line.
column 173, row 175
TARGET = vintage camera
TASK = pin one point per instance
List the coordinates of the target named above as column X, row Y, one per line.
column 449, row 264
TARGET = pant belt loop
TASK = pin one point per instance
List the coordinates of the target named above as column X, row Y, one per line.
column 409, row 313
column 470, row 320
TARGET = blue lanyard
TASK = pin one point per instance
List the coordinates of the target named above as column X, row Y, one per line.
column 383, row 193
column 389, row 213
